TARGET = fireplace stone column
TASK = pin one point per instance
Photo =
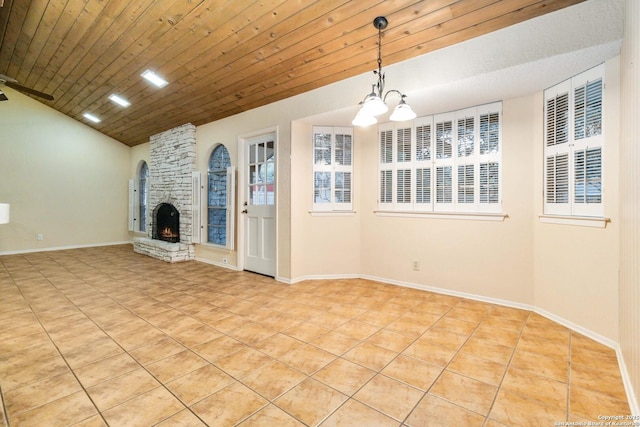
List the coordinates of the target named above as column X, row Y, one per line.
column 171, row 164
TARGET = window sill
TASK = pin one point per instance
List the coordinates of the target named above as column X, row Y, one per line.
column 215, row 246
column 446, row 215
column 332, row 213
column 581, row 221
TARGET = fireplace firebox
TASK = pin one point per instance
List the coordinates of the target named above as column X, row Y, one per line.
column 166, row 224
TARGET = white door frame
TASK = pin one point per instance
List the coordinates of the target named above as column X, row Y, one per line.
column 242, row 190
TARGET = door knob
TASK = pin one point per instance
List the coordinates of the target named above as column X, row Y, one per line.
column 244, row 211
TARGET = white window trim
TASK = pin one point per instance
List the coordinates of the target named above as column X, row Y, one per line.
column 332, row 213
column 445, row 215
column 582, row 221
column 454, row 208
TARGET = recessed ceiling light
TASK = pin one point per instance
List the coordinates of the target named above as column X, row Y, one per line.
column 91, row 117
column 154, row 78
column 119, row 100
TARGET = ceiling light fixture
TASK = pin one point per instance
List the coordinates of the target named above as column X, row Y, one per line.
column 119, row 100
column 375, row 103
column 91, row 117
column 154, row 78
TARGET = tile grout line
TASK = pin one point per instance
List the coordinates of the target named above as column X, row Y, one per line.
column 446, row 365
column 508, row 365
column 107, row 334
column 127, row 353
column 569, row 378
column 105, row 278
column 55, row 345
column 5, row 414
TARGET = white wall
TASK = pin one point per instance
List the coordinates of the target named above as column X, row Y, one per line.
column 325, row 245
column 484, row 258
column 576, row 268
column 63, row 179
column 630, row 202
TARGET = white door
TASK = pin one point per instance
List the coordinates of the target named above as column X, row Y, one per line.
column 259, row 206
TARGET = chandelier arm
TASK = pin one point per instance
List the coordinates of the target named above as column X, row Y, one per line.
column 402, row 95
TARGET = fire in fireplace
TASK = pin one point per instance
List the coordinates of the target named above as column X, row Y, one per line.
column 166, row 224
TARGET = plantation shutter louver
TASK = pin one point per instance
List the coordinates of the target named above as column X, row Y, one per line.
column 466, row 136
column 443, row 184
column 403, row 176
column 444, row 139
column 443, row 162
column 489, row 182
column 386, row 166
column 465, row 184
column 423, row 164
column 404, row 186
column 588, row 176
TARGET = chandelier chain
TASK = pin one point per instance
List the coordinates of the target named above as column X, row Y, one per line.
column 380, row 75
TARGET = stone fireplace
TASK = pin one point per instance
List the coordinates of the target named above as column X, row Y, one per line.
column 172, row 162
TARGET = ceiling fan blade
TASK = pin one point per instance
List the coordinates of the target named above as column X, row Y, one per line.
column 29, row 90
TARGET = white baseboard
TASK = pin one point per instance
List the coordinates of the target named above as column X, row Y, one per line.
column 217, row 264
column 631, row 396
column 322, row 277
column 63, row 248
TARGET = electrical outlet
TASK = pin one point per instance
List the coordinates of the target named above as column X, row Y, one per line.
column 416, row 265
column 40, row 236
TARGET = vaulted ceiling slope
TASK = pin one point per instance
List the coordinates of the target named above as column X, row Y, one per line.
column 220, row 57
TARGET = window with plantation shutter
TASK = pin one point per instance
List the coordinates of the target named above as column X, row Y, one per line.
column 574, row 141
column 332, row 168
column 447, row 163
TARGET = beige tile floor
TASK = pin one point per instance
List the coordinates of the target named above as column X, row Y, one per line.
column 103, row 336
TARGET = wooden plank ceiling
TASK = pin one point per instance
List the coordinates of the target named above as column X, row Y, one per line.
column 220, row 57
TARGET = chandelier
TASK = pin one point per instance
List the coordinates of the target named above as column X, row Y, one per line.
column 375, row 103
